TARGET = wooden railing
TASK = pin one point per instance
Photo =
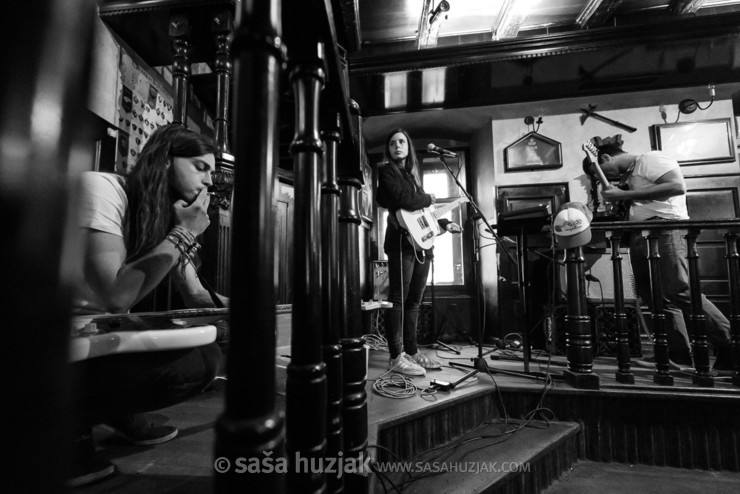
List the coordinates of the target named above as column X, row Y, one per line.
column 580, row 350
column 326, row 403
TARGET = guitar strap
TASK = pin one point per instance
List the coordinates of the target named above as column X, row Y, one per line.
column 623, row 185
column 623, row 180
column 197, row 262
column 393, row 221
column 216, row 301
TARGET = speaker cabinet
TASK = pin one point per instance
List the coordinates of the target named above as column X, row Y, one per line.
column 601, row 285
column 380, row 280
column 603, row 330
column 424, row 325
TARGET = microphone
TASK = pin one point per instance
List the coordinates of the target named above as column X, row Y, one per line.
column 444, row 152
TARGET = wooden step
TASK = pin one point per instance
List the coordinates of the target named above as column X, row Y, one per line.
column 666, row 427
column 587, row 477
column 497, row 457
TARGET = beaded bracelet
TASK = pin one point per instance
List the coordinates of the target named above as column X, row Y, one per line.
column 185, row 242
column 183, row 233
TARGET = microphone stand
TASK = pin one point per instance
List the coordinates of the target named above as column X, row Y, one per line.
column 479, row 362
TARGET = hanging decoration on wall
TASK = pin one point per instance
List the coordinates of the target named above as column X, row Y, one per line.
column 533, row 152
column 144, row 104
column 591, row 113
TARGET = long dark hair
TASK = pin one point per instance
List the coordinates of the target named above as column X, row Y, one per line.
column 412, row 162
column 148, row 186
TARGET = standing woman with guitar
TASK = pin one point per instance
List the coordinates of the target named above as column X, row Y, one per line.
column 135, row 231
column 399, row 188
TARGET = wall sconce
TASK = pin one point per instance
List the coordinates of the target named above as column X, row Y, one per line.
column 529, row 121
column 444, row 6
column 429, row 24
column 688, row 106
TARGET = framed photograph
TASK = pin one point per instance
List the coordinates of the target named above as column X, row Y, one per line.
column 533, row 152
column 697, row 143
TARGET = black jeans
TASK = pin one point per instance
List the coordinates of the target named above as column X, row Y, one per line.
column 407, row 279
column 116, row 386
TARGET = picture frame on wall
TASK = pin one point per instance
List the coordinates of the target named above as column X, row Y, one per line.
column 696, row 143
column 533, row 152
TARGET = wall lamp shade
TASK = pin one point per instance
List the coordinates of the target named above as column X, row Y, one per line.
column 444, row 6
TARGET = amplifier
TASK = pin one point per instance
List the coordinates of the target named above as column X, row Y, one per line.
column 380, row 280
column 603, row 330
column 539, row 212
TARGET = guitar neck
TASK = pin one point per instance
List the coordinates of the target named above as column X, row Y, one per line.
column 160, row 319
column 591, row 153
column 602, row 177
column 446, row 208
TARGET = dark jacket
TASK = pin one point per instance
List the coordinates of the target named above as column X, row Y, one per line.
column 397, row 190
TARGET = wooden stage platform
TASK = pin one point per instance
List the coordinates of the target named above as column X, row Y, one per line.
column 462, row 440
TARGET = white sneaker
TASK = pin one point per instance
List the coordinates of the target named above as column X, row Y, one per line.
column 403, row 365
column 423, row 360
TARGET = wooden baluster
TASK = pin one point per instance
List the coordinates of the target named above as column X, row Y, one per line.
column 349, row 245
column 623, row 374
column 579, row 347
column 660, row 335
column 330, row 309
column 306, row 387
column 45, row 145
column 222, row 26
column 733, row 269
column 179, row 32
column 697, row 320
column 354, row 412
column 217, row 238
column 251, row 426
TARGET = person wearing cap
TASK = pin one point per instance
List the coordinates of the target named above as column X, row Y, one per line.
column 657, row 191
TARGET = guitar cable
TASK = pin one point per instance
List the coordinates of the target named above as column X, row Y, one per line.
column 403, row 298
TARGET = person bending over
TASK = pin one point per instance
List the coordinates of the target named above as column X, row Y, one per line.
column 399, row 187
column 657, row 191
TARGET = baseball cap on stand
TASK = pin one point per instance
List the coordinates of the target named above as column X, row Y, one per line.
column 572, row 225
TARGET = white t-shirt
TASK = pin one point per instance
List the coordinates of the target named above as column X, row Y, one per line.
column 649, row 167
column 103, row 207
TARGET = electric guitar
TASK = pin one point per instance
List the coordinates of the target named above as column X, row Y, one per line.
column 618, row 208
column 422, row 225
column 107, row 334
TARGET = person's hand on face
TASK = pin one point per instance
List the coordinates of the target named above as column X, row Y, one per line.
column 194, row 216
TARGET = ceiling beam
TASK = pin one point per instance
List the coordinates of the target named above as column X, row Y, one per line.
column 683, row 29
column 685, row 6
column 348, row 23
column 596, row 12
